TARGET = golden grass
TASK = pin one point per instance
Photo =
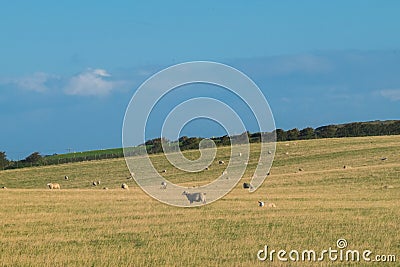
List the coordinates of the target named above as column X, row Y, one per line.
column 82, row 225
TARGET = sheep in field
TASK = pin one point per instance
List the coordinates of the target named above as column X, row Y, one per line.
column 124, row 186
column 163, row 185
column 195, row 197
column 221, row 162
column 94, row 183
column 66, row 177
column 53, row 186
column 269, row 205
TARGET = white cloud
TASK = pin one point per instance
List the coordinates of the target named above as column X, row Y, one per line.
column 92, row 82
column 37, row 82
column 302, row 63
column 392, row 94
column 101, row 72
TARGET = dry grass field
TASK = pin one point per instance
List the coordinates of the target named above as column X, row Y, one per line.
column 84, row 225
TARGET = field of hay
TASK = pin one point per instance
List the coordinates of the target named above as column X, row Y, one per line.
column 83, row 225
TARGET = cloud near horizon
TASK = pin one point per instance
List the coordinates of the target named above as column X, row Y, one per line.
column 392, row 94
column 39, row 82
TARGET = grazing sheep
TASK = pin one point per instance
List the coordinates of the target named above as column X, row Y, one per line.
column 66, row 177
column 94, row 183
column 269, row 152
column 4, row 187
column 384, row 158
column 225, row 172
column 300, row 169
column 221, row 162
column 105, row 188
column 195, row 197
column 98, row 182
column 246, row 185
column 124, row 186
column 163, row 185
column 164, row 171
column 269, row 205
column 53, row 186
column 240, row 154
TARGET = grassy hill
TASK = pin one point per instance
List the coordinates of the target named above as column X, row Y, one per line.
column 82, row 225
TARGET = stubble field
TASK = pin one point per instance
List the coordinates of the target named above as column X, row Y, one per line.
column 83, row 225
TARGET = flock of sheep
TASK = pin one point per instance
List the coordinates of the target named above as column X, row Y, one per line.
column 191, row 197
column 94, row 183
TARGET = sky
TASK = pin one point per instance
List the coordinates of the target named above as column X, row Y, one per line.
column 69, row 70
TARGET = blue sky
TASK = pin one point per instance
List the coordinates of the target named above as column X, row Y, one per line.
column 68, row 70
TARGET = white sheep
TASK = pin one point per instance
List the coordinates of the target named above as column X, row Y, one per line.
column 124, row 186
column 240, row 154
column 66, row 177
column 53, row 186
column 195, row 197
column 163, row 185
column 269, row 205
column 98, row 182
column 221, row 162
column 225, row 172
column 94, row 183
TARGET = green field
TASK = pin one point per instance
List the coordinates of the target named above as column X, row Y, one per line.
column 84, row 225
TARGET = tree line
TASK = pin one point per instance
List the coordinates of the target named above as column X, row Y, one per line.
column 355, row 129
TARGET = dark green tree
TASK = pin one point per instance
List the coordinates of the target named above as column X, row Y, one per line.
column 293, row 134
column 281, row 135
column 33, row 158
column 307, row 133
column 4, row 162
